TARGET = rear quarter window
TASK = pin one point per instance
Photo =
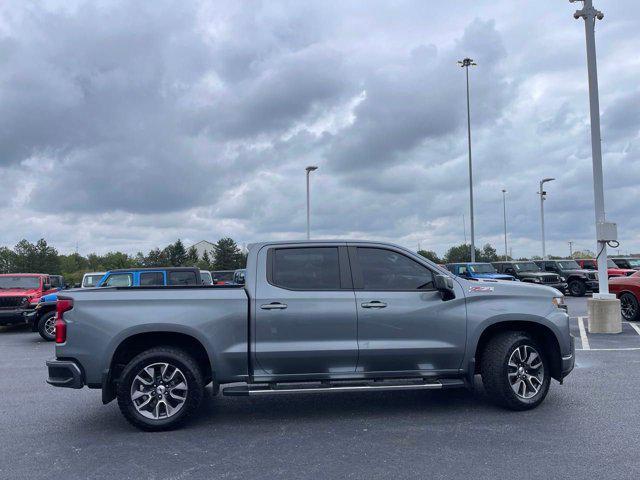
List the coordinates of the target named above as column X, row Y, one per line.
column 182, row 278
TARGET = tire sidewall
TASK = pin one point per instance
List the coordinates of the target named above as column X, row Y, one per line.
column 634, row 300
column 580, row 290
column 193, row 379
column 42, row 329
column 508, row 392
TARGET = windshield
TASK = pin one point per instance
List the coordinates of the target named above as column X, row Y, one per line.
column 610, row 263
column 482, row 268
column 91, row 280
column 206, row 277
column 569, row 265
column 9, row 282
column 526, row 267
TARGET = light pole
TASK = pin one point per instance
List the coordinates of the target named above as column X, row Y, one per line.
column 590, row 14
column 570, row 249
column 543, row 194
column 504, row 216
column 309, row 169
column 466, row 63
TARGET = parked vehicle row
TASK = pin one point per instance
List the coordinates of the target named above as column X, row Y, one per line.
column 312, row 316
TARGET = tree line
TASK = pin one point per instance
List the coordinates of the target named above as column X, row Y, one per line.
column 40, row 257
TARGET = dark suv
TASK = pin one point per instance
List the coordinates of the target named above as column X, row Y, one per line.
column 579, row 280
column 527, row 271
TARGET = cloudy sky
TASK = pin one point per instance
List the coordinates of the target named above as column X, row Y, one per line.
column 124, row 125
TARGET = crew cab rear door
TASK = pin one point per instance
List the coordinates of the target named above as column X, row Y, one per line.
column 404, row 325
column 305, row 312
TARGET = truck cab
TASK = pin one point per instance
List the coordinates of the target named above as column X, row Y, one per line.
column 477, row 270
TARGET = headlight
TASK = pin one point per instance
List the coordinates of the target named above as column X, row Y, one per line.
column 536, row 280
column 559, row 302
column 563, row 279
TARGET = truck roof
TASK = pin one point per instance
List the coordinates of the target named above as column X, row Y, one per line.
column 24, row 274
column 148, row 269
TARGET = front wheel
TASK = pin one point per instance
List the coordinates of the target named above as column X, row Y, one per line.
column 629, row 307
column 160, row 388
column 577, row 288
column 515, row 371
column 47, row 326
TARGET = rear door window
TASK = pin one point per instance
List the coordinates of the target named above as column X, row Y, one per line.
column 182, row 278
column 315, row 268
column 151, row 279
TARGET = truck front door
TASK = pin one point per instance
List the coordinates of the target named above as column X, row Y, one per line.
column 403, row 323
column 305, row 312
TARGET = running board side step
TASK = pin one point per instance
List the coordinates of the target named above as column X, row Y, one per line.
column 324, row 387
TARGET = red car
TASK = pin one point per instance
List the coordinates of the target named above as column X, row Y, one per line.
column 19, row 294
column 612, row 269
column 627, row 289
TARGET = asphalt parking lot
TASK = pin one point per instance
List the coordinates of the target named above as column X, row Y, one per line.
column 587, row 428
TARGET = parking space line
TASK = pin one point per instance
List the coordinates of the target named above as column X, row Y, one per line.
column 583, row 334
column 635, row 327
column 627, row 349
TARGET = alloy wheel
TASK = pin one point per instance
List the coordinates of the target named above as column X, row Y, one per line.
column 159, row 391
column 628, row 307
column 525, row 371
column 50, row 326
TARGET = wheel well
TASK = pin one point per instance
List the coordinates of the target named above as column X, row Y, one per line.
column 137, row 344
column 543, row 336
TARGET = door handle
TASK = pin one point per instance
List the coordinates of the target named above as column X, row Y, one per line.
column 374, row 304
column 273, row 306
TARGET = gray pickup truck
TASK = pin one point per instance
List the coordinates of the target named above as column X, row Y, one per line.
column 314, row 316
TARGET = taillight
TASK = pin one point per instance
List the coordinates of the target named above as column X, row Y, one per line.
column 63, row 305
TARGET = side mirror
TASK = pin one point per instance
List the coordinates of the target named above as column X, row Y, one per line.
column 46, row 286
column 444, row 285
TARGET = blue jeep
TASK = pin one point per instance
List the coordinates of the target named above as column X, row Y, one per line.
column 477, row 270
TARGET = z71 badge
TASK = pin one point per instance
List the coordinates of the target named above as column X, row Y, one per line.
column 479, row 288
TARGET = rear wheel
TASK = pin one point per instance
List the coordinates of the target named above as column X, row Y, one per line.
column 160, row 388
column 629, row 307
column 577, row 288
column 47, row 326
column 515, row 371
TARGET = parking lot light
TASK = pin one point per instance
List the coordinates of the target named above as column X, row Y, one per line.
column 504, row 216
column 309, row 169
column 543, row 194
column 466, row 63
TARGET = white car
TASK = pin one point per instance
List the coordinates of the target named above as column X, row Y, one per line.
column 206, row 277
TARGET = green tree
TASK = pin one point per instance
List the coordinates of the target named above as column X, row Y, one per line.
column 430, row 255
column 156, row 258
column 7, row 260
column 176, row 254
column 227, row 255
column 460, row 253
column 205, row 262
column 583, row 254
column 35, row 258
column 192, row 257
column 488, row 254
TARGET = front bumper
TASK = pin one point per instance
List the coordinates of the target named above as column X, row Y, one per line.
column 65, row 373
column 13, row 316
column 569, row 361
column 562, row 286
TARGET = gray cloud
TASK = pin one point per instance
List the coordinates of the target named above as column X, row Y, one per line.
column 144, row 122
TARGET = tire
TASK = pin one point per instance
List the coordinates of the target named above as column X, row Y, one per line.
column 171, row 400
column 629, row 307
column 577, row 288
column 501, row 380
column 46, row 326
